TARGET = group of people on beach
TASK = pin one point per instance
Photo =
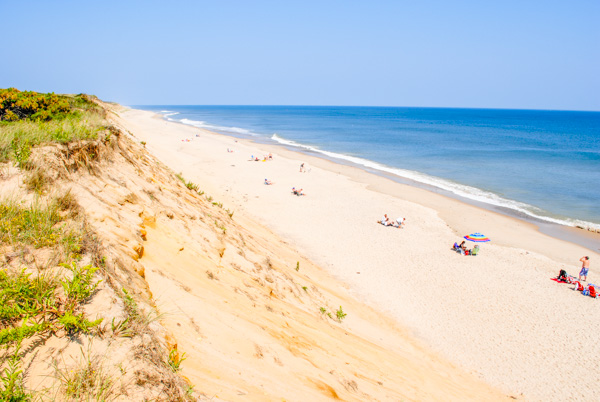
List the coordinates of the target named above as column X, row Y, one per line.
column 462, row 248
column 590, row 289
column 264, row 159
column 398, row 223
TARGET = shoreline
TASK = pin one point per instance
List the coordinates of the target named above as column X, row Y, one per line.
column 577, row 235
column 497, row 315
column 585, row 237
column 588, row 238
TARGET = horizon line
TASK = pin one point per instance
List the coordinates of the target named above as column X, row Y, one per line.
column 378, row 106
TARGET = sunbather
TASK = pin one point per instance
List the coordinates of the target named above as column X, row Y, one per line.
column 268, row 182
column 463, row 248
column 385, row 221
column 399, row 223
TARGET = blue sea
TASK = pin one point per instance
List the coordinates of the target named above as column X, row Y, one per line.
column 540, row 164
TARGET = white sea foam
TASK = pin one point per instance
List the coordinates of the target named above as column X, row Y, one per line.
column 461, row 190
column 195, row 123
column 204, row 125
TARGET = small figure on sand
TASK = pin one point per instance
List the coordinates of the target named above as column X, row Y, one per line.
column 229, row 150
column 268, row 182
column 385, row 221
column 461, row 248
column 297, row 192
column 585, row 267
column 399, row 223
column 302, row 169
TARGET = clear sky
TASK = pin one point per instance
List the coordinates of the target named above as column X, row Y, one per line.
column 502, row 54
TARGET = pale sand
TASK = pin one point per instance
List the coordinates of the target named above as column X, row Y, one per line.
column 497, row 315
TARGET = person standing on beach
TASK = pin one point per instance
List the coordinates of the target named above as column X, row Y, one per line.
column 585, row 267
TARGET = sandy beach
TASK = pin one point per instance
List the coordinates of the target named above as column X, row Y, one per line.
column 498, row 315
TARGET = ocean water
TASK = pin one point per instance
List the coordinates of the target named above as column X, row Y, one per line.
column 543, row 164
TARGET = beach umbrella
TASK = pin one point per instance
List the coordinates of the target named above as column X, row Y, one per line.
column 477, row 237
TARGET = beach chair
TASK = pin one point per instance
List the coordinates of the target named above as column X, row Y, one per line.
column 475, row 250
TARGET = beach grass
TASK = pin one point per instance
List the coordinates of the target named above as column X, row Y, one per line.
column 88, row 380
column 39, row 225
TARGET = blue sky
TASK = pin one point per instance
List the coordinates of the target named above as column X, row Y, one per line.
column 506, row 54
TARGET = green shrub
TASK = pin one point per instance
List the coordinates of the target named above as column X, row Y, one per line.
column 28, row 119
column 29, row 105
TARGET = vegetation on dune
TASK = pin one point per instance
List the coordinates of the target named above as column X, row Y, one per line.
column 39, row 302
column 18, row 105
column 30, row 118
column 44, row 281
column 35, row 301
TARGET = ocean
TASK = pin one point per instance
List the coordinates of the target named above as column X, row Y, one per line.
column 540, row 164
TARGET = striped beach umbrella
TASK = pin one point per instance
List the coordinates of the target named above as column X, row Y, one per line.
column 477, row 237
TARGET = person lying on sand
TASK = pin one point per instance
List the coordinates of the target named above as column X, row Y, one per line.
column 399, row 223
column 462, row 248
column 268, row 182
column 297, row 192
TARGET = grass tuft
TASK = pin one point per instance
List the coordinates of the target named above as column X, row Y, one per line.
column 89, row 380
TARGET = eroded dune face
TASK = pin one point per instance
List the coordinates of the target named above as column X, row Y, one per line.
column 236, row 311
